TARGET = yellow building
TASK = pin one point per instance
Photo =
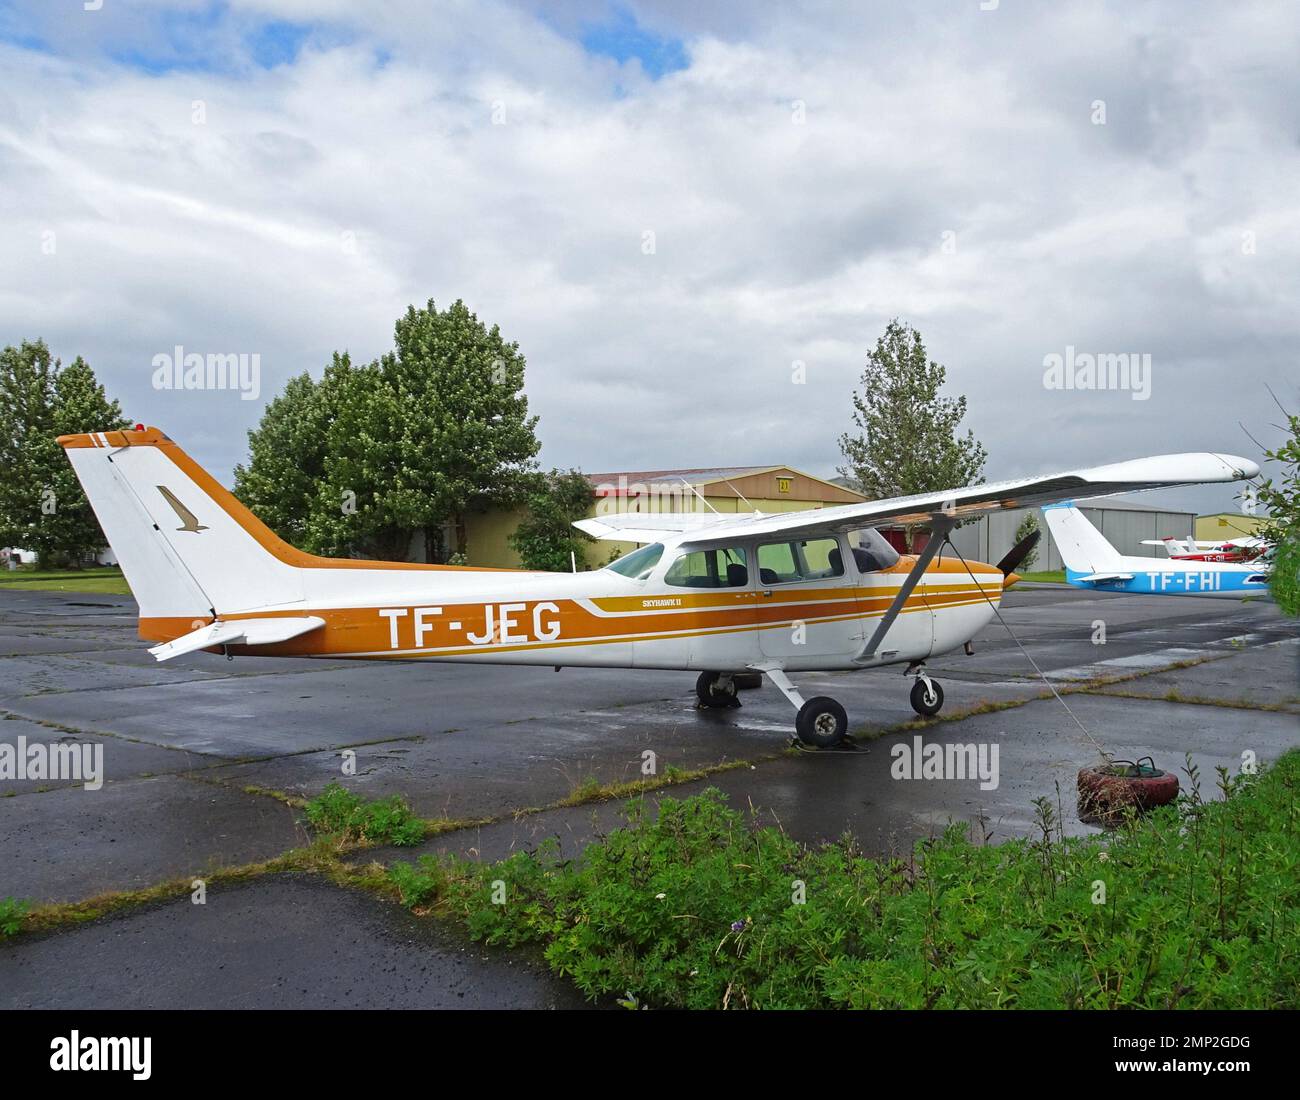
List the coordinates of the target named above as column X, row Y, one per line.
column 728, row 489
column 1229, row 525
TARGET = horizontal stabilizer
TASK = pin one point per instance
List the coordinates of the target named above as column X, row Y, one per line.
column 238, row 632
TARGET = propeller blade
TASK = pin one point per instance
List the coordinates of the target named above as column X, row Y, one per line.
column 1019, row 552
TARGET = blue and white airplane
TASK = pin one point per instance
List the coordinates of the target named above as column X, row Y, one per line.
column 1091, row 562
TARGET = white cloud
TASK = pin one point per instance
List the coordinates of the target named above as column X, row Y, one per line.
column 322, row 196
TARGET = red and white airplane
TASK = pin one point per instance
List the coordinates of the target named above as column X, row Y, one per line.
column 721, row 596
column 1244, row 549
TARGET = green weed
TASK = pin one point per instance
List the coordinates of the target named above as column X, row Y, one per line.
column 339, row 812
column 1196, row 905
column 13, row 911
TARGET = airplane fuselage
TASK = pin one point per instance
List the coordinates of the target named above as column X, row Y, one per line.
column 1153, row 577
column 602, row 619
column 771, row 593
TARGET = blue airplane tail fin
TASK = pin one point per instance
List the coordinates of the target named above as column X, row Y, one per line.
column 1081, row 545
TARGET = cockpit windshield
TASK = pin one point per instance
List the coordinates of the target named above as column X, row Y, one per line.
column 640, row 563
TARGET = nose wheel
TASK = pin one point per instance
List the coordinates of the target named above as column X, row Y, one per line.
column 927, row 695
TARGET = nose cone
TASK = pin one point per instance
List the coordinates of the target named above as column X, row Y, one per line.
column 1010, row 579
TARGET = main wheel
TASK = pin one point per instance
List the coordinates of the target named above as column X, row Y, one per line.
column 711, row 695
column 821, row 723
column 927, row 701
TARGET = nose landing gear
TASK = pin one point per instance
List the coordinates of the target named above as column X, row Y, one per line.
column 927, row 694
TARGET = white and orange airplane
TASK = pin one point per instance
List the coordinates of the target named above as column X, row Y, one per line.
column 725, row 596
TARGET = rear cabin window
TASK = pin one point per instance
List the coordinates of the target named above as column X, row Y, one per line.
column 799, row 560
column 721, row 568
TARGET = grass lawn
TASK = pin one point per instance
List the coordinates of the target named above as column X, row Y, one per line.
column 1056, row 576
column 100, row 578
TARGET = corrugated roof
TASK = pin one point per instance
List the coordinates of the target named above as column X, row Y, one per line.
column 694, row 476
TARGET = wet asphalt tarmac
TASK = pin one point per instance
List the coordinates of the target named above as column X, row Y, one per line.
column 188, row 745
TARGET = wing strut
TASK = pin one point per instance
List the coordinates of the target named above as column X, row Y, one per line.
column 940, row 524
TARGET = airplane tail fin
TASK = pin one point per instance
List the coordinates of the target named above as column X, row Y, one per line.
column 1082, row 547
column 190, row 551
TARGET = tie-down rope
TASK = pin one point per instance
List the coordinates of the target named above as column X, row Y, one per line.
column 1007, row 626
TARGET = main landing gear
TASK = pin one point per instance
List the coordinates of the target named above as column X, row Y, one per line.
column 716, row 690
column 821, row 722
column 722, row 689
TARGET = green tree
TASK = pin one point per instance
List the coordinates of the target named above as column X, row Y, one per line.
column 467, row 440
column 907, row 440
column 370, row 455
column 546, row 536
column 1282, row 499
column 287, row 456
column 359, row 504
column 42, row 505
column 1027, row 527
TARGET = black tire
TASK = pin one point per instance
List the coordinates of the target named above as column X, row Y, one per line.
column 748, row 681
column 927, row 703
column 710, row 697
column 821, row 723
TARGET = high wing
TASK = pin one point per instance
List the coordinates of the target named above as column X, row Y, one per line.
column 650, row 526
column 1156, row 472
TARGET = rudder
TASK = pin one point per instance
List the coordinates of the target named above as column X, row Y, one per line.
column 1082, row 547
column 188, row 548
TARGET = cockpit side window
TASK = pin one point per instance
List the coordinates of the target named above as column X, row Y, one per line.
column 871, row 551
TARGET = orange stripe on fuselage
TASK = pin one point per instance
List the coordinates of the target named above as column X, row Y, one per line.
column 507, row 626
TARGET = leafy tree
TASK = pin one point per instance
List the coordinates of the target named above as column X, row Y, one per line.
column 1282, row 500
column 467, row 440
column 42, row 505
column 287, row 456
column 369, row 455
column 320, row 458
column 358, row 506
column 907, row 440
column 546, row 537
column 1027, row 527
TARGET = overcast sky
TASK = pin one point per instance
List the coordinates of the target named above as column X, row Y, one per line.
column 283, row 177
